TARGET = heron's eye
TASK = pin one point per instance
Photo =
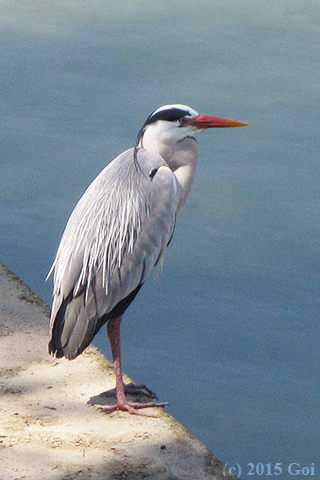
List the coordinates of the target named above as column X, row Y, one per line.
column 183, row 121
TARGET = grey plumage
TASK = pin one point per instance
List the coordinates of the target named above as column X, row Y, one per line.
column 116, row 234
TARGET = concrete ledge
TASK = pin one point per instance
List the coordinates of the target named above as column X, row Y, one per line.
column 47, row 429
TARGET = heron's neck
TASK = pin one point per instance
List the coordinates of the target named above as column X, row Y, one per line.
column 182, row 158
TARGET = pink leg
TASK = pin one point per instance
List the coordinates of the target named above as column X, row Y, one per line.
column 113, row 329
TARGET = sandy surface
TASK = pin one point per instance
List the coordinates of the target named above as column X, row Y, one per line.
column 49, row 431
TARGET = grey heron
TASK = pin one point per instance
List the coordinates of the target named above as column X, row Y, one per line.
column 119, row 231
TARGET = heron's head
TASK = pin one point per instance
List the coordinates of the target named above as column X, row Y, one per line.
column 172, row 123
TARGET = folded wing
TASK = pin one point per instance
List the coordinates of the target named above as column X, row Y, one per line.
column 116, row 234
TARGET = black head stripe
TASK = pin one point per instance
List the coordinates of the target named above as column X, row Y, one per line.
column 170, row 115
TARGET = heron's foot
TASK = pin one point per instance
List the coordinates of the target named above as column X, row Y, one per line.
column 133, row 389
column 133, row 407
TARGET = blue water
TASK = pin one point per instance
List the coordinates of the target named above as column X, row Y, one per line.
column 229, row 333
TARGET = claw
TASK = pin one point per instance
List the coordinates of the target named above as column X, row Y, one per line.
column 133, row 408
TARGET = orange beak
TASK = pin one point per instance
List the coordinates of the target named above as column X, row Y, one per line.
column 204, row 121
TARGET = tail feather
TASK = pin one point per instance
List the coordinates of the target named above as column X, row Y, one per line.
column 72, row 329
